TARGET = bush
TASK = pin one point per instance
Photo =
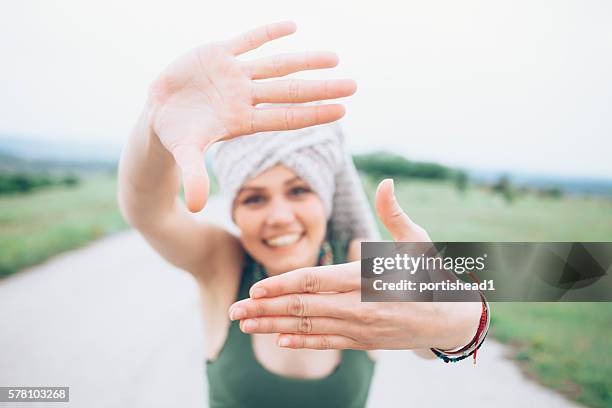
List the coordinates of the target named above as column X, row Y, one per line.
column 382, row 164
column 70, row 180
column 553, row 192
column 461, row 181
column 505, row 189
column 12, row 183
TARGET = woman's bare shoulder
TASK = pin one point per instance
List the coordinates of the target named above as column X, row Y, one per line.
column 225, row 260
column 219, row 287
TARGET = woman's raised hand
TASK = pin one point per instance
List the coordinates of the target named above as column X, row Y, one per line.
column 208, row 95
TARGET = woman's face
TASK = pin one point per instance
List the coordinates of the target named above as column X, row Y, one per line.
column 282, row 221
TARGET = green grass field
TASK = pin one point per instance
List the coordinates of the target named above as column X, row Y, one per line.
column 565, row 346
column 34, row 227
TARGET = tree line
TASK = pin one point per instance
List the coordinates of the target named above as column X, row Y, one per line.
column 384, row 164
column 12, row 183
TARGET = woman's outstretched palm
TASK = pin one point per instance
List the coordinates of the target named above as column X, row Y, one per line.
column 208, row 95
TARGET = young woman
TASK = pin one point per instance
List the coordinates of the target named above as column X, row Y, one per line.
column 295, row 196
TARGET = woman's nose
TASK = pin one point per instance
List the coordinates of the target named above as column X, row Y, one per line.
column 280, row 212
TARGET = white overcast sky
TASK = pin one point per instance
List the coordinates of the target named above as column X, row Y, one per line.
column 516, row 85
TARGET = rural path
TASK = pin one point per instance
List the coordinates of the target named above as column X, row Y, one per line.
column 121, row 327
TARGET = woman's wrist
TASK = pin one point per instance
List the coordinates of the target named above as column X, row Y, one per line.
column 146, row 169
column 458, row 324
column 146, row 158
column 153, row 142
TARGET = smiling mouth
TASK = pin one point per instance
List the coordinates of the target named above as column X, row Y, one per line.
column 284, row 240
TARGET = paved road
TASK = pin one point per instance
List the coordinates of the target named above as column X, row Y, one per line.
column 121, row 327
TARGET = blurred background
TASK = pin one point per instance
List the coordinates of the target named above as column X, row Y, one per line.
column 494, row 118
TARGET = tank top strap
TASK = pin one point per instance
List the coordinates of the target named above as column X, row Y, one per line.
column 339, row 250
column 246, row 278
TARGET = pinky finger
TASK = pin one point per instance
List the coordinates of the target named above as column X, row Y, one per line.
column 257, row 37
column 318, row 342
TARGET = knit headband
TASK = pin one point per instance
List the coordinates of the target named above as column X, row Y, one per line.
column 316, row 155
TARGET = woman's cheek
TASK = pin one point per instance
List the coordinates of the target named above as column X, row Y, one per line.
column 249, row 231
column 314, row 215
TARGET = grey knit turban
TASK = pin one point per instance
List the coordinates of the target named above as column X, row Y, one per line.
column 316, row 155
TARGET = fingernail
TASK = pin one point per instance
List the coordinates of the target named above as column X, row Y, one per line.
column 237, row 314
column 392, row 186
column 258, row 293
column 250, row 324
column 283, row 342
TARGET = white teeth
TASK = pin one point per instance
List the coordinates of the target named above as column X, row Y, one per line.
column 283, row 240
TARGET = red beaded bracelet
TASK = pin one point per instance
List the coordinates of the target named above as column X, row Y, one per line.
column 473, row 346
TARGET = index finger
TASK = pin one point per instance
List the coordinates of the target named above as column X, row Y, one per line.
column 257, row 37
column 339, row 305
column 332, row 278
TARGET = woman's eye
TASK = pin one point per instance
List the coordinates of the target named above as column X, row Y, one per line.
column 299, row 191
column 254, row 199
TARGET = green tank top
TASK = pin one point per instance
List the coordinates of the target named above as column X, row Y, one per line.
column 237, row 379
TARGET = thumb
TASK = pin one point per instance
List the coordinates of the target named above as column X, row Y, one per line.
column 190, row 160
column 401, row 227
